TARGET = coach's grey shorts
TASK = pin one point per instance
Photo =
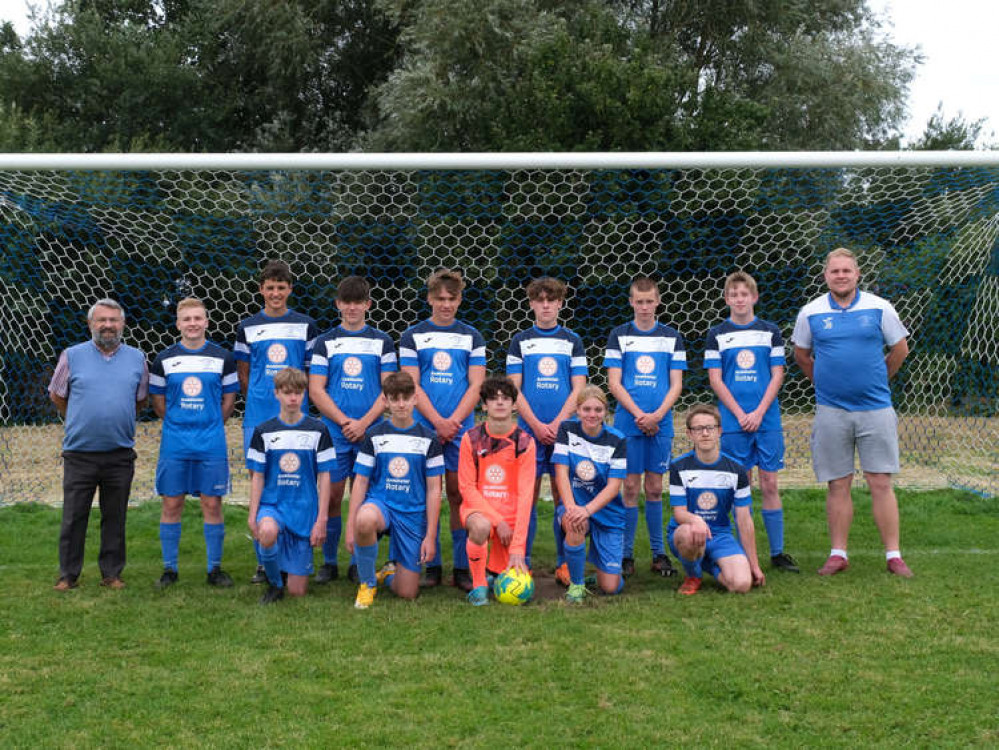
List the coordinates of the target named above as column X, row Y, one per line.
column 837, row 432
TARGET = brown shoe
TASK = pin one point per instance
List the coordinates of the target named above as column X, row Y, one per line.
column 835, row 564
column 113, row 583
column 65, row 584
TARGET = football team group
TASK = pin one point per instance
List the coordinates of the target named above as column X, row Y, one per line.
column 402, row 429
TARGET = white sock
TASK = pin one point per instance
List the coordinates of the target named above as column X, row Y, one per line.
column 892, row 554
column 839, row 553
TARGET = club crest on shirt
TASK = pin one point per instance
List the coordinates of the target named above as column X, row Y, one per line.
column 191, row 386
column 585, row 470
column 442, row 361
column 495, row 474
column 745, row 359
column 547, row 366
column 277, row 353
column 707, row 501
column 352, row 366
column 645, row 364
column 289, row 463
column 398, row 467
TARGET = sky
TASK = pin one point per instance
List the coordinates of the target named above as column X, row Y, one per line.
column 954, row 38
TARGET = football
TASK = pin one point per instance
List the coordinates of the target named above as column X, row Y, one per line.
column 513, row 587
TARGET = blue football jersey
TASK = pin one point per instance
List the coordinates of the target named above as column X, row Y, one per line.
column 708, row 490
column 848, row 344
column 547, row 360
column 444, row 355
column 352, row 363
column 592, row 461
column 646, row 359
column 745, row 355
column 192, row 383
column 270, row 345
column 291, row 457
column 397, row 463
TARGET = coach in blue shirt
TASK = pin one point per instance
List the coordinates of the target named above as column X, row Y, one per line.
column 839, row 343
column 98, row 386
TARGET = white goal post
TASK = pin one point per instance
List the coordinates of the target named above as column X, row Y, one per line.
column 148, row 229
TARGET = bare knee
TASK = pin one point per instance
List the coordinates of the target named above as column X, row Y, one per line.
column 653, row 488
column 629, row 489
column 478, row 528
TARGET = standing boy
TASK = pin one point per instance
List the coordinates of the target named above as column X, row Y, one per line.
column 193, row 386
column 497, row 478
column 266, row 343
column 547, row 363
column 397, row 488
column 349, row 364
column 704, row 486
column 447, row 360
column 288, row 455
column 645, row 361
column 744, row 358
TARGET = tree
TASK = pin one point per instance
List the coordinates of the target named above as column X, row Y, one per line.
column 955, row 134
column 198, row 75
column 681, row 74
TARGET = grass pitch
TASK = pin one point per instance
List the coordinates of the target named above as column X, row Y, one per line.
column 861, row 659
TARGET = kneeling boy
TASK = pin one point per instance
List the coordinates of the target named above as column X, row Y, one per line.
column 704, row 486
column 496, row 467
column 288, row 455
column 397, row 487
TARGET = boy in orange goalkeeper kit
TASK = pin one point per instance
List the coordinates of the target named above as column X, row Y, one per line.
column 496, row 476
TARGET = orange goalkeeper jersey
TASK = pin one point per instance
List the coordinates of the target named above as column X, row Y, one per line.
column 496, row 478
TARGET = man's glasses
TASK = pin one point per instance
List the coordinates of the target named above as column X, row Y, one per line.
column 706, row 429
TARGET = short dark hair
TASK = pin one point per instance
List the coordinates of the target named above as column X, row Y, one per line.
column 276, row 270
column 398, row 384
column 546, row 287
column 698, row 409
column 496, row 385
column 353, row 289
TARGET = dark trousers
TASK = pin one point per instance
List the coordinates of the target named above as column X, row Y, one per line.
column 83, row 474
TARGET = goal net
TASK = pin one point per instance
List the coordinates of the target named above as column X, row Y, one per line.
column 149, row 230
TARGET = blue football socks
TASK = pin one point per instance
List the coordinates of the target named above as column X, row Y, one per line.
column 334, row 526
column 575, row 558
column 367, row 557
column 773, row 522
column 214, row 539
column 532, row 529
column 630, row 527
column 458, row 539
column 654, row 522
column 269, row 559
column 170, row 544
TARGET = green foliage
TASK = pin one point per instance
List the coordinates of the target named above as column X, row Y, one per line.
column 197, row 75
column 860, row 660
column 528, row 74
column 435, row 75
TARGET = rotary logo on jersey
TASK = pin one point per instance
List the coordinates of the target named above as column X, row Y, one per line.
column 547, row 366
column 277, row 353
column 645, row 364
column 745, row 359
column 707, row 501
column 585, row 470
column 289, row 463
column 352, row 367
column 191, row 386
column 442, row 361
column 398, row 467
column 495, row 474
